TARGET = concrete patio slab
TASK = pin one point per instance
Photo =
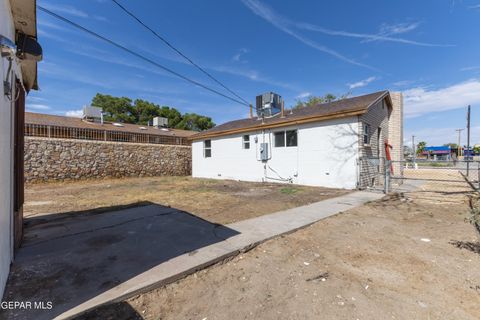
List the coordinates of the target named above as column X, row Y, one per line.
column 138, row 249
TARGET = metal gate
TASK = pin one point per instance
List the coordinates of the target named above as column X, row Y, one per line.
column 371, row 173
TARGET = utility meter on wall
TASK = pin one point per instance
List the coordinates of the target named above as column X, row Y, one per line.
column 264, row 151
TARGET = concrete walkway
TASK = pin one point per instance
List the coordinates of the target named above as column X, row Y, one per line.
column 250, row 233
column 82, row 263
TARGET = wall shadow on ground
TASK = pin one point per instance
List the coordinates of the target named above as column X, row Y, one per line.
column 72, row 257
column 118, row 311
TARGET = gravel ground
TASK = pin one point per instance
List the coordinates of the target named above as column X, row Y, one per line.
column 397, row 258
column 218, row 201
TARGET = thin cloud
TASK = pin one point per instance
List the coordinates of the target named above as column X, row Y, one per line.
column 33, row 98
column 252, row 75
column 476, row 6
column 39, row 107
column 403, row 83
column 398, row 28
column 74, row 113
column 285, row 25
column 303, row 95
column 361, row 83
column 72, row 11
column 420, row 101
column 366, row 36
column 66, row 9
column 470, row 68
column 238, row 56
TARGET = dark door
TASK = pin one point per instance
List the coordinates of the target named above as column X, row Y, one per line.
column 18, row 165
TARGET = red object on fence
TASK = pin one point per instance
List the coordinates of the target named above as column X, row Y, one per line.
column 387, row 153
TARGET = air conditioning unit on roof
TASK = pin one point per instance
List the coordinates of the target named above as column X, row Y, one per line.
column 90, row 112
column 160, row 122
column 268, row 104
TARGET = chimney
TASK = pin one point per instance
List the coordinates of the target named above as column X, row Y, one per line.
column 251, row 111
column 282, row 112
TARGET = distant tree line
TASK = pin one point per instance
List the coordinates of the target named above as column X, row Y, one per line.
column 138, row 111
column 315, row 100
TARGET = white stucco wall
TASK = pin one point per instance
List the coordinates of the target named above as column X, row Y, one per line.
column 325, row 156
column 6, row 156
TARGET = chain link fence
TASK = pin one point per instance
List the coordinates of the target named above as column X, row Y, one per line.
column 386, row 175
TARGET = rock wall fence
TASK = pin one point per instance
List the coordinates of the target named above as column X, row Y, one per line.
column 49, row 159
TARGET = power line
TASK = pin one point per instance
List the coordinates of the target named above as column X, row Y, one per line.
column 138, row 55
column 177, row 50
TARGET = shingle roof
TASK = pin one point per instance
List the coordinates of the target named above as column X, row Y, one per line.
column 340, row 108
column 70, row 122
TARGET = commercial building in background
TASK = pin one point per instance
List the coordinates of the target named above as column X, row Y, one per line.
column 19, row 55
column 339, row 144
column 438, row 153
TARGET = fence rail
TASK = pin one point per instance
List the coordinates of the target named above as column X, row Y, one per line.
column 36, row 130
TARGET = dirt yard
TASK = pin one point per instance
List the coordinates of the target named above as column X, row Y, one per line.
column 390, row 259
column 218, row 201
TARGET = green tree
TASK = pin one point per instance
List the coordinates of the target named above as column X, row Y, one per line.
column 117, row 109
column 421, row 146
column 173, row 115
column 315, row 100
column 193, row 121
column 121, row 109
column 476, row 149
column 144, row 111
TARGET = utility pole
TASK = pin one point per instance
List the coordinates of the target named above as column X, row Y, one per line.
column 414, row 151
column 459, row 148
column 468, row 139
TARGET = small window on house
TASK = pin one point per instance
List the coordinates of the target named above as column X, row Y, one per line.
column 279, row 138
column 207, row 148
column 366, row 133
column 291, row 138
column 246, row 141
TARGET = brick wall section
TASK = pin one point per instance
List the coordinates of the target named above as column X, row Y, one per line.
column 391, row 123
column 377, row 117
column 65, row 159
column 396, row 132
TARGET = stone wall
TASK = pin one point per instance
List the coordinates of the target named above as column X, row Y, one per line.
column 64, row 159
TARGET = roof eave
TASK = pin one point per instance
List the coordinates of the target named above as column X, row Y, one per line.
column 25, row 21
column 280, row 124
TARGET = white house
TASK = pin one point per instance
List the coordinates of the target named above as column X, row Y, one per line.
column 320, row 145
column 18, row 63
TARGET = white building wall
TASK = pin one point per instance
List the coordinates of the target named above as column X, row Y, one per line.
column 325, row 156
column 6, row 156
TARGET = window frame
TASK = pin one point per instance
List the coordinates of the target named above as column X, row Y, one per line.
column 285, row 144
column 279, row 133
column 296, row 138
column 205, row 148
column 246, row 142
column 366, row 134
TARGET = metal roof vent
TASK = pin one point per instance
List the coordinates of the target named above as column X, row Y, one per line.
column 142, row 128
column 116, row 124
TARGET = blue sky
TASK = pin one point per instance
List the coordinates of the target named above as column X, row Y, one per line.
column 429, row 50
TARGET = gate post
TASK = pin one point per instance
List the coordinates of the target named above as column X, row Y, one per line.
column 478, row 174
column 386, row 189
